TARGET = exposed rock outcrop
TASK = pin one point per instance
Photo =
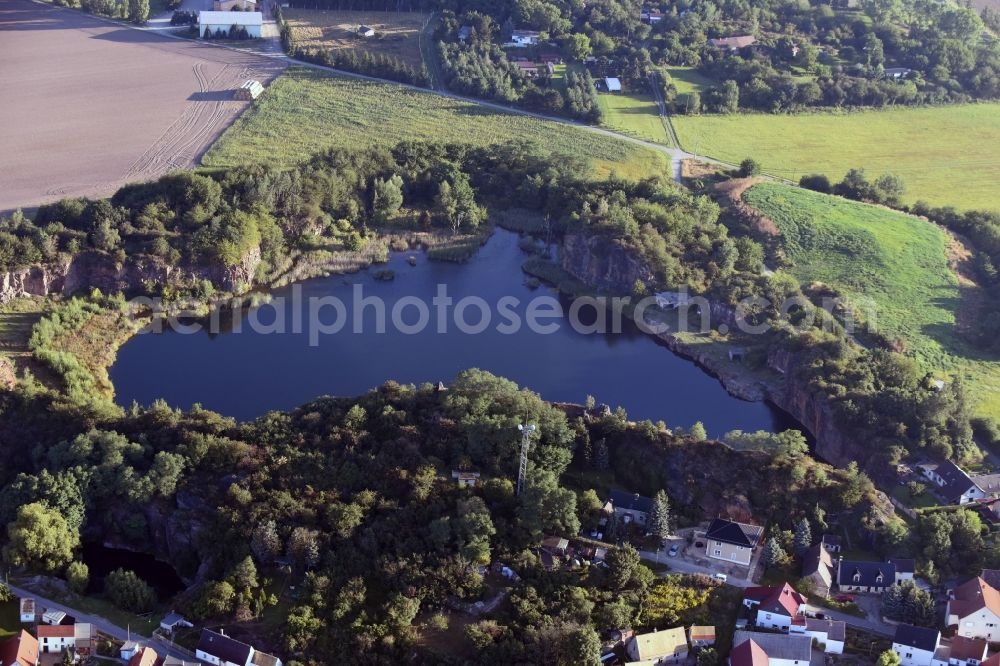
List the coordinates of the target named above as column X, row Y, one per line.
column 602, row 262
column 90, row 270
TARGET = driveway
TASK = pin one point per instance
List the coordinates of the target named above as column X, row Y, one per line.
column 872, row 624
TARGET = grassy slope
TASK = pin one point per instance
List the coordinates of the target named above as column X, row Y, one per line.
column 304, row 111
column 946, row 155
column 687, row 80
column 635, row 114
column 897, row 261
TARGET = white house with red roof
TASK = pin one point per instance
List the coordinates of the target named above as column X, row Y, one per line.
column 777, row 607
column 974, row 611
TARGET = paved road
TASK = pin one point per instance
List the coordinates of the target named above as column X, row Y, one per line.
column 103, row 625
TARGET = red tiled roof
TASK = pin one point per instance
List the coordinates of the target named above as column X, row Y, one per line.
column 963, row 648
column 22, row 649
column 785, row 600
column 974, row 595
column 992, row 661
column 56, row 631
column 748, row 653
column 146, row 657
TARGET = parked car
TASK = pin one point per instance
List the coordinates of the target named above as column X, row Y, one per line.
column 673, row 551
column 721, row 577
column 844, row 598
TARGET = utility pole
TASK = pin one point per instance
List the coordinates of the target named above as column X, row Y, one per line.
column 522, row 470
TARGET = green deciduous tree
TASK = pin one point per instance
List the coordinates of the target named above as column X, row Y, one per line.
column 78, row 577
column 388, row 198
column 129, row 592
column 40, row 538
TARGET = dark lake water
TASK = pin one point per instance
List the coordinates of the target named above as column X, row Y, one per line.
column 102, row 561
column 245, row 374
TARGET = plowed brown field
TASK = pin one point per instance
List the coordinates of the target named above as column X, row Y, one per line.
column 86, row 106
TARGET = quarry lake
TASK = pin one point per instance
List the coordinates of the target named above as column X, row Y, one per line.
column 248, row 373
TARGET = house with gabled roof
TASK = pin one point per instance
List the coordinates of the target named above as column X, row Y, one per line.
column 733, row 43
column 831, row 634
column 817, row 568
column 731, row 541
column 953, row 484
column 777, row 649
column 857, row 576
column 221, row 650
column 962, row 651
column 974, row 611
column 916, row 646
column 54, row 639
column 659, row 647
column 777, row 607
column 629, row 507
column 147, row 656
column 19, row 650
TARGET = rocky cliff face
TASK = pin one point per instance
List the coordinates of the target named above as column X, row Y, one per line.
column 602, row 263
column 91, row 270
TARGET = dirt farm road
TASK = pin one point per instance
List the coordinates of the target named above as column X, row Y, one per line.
column 91, row 105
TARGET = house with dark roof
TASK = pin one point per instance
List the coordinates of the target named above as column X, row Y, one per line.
column 953, row 484
column 855, row 576
column 831, row 542
column 915, row 646
column 974, row 610
column 20, row 650
column 778, row 608
column 731, row 541
column 817, row 567
column 629, row 507
column 221, row 650
column 905, row 568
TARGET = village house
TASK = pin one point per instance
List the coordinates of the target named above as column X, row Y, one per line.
column 830, row 634
column 20, row 650
column 650, row 16
column 753, row 648
column 659, row 647
column 733, row 43
column 146, row 656
column 854, row 576
column 129, row 649
column 777, row 607
column 988, row 483
column 465, row 479
column 974, row 611
column 905, row 568
column 524, row 38
column 27, row 610
column 831, row 542
column 953, row 484
column 172, row 621
column 701, row 636
column 731, row 541
column 916, row 646
column 365, row 31
column 817, row 567
column 629, row 507
column 55, row 639
column 962, row 651
column 221, row 650
column 611, row 84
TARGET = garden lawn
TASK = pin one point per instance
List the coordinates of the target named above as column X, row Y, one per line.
column 688, row 80
column 891, row 266
column 305, row 111
column 946, row 155
column 635, row 114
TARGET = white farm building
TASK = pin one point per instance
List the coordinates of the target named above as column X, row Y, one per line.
column 215, row 21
